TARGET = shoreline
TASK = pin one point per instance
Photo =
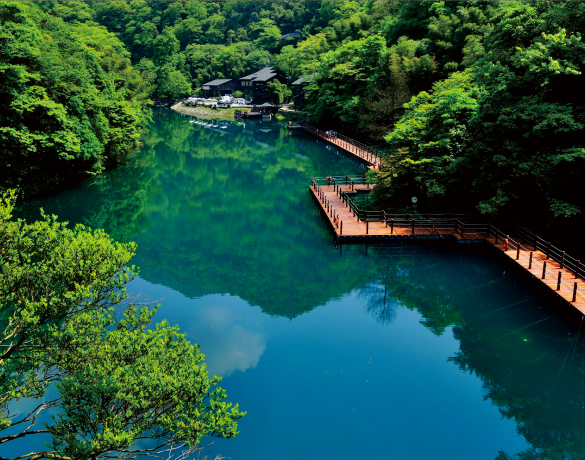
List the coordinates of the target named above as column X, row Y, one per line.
column 228, row 114
column 204, row 112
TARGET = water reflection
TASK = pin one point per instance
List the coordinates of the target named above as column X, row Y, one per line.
column 236, row 345
column 224, row 223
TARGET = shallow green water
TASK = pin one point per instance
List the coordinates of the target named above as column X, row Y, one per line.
column 403, row 351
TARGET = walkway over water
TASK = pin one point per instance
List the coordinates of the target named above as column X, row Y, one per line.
column 369, row 154
column 350, row 224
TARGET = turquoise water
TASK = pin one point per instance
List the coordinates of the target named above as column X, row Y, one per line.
column 401, row 351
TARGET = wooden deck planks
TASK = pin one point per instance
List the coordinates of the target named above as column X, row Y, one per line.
column 372, row 160
column 568, row 279
column 353, row 227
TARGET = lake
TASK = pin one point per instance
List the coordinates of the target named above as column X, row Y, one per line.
column 399, row 351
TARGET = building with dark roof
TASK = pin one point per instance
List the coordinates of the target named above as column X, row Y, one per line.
column 220, row 87
column 298, row 89
column 257, row 83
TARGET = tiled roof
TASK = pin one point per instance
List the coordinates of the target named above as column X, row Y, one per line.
column 264, row 74
column 305, row 79
column 217, row 82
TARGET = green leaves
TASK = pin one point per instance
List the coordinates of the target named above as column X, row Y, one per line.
column 137, row 382
column 279, row 92
column 503, row 136
column 65, row 318
column 60, row 85
column 428, row 143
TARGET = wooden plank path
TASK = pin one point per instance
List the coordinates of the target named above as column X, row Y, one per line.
column 348, row 227
column 344, row 143
column 563, row 286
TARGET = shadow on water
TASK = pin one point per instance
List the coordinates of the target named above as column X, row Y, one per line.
column 223, row 208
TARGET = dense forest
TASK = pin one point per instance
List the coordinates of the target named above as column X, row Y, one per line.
column 476, row 103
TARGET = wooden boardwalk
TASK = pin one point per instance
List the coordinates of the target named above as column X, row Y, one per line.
column 563, row 286
column 349, row 225
column 345, row 144
column 348, row 228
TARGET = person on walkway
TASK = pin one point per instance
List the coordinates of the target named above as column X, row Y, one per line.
column 506, row 243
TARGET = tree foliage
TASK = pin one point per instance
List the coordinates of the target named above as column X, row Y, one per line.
column 505, row 136
column 67, row 321
column 71, row 101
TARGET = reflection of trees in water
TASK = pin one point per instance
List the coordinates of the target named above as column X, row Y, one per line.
column 528, row 359
column 378, row 295
column 379, row 303
column 535, row 376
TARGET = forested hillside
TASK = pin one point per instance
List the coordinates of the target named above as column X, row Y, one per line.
column 478, row 104
column 71, row 101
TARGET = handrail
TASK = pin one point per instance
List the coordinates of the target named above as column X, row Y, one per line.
column 368, row 153
column 552, row 252
column 400, row 220
column 533, row 240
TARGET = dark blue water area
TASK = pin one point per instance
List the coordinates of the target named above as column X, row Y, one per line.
column 336, row 383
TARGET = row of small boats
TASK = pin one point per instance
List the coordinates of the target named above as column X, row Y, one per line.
column 207, row 124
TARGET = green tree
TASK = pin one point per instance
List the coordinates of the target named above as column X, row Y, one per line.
column 72, row 102
column 302, row 59
column 172, row 83
column 529, row 148
column 279, row 92
column 266, row 34
column 428, row 146
column 344, row 79
column 66, row 320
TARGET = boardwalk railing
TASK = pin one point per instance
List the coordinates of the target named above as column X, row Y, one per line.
column 358, row 148
column 530, row 242
column 460, row 223
column 340, row 181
